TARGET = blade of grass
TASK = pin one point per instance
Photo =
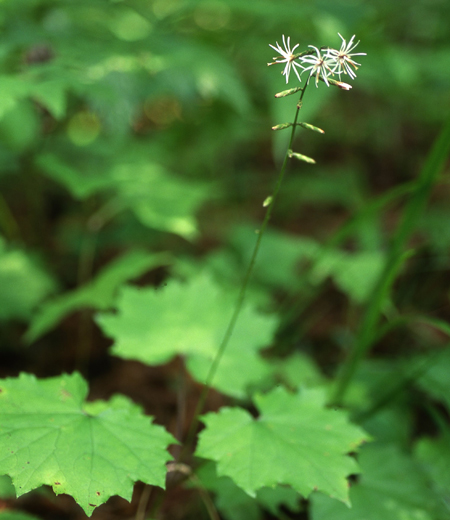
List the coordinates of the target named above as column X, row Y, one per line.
column 367, row 331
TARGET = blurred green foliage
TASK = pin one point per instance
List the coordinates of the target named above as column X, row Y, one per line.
column 135, row 145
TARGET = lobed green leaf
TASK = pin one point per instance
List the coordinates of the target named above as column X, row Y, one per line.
column 50, row 435
column 295, row 441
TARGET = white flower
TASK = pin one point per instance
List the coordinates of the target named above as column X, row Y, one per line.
column 288, row 58
column 320, row 65
column 343, row 59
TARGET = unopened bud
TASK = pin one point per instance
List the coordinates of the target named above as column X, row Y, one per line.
column 340, row 84
column 301, row 157
column 268, row 201
column 311, row 127
column 288, row 92
column 343, row 86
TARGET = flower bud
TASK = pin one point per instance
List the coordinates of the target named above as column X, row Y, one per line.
column 340, row 84
column 282, row 126
column 301, row 157
column 288, row 92
column 311, row 127
column 268, row 201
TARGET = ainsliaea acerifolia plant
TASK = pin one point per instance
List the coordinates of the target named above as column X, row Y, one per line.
column 323, row 64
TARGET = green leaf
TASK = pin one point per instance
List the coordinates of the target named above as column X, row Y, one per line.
column 281, row 256
column 272, row 499
column 23, row 283
column 355, row 274
column 97, row 294
column 295, row 441
column 297, row 370
column 81, row 179
column 152, row 326
column 52, row 94
column 12, row 89
column 230, row 500
column 391, row 487
column 50, row 435
column 158, row 198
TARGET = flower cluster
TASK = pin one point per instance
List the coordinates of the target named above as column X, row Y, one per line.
column 322, row 64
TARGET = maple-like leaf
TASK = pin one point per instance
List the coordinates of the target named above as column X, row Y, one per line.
column 152, row 326
column 89, row 450
column 295, row 441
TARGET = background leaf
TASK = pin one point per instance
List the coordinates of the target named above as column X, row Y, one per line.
column 235, row 504
column 391, row 487
column 152, row 326
column 23, row 283
column 97, row 294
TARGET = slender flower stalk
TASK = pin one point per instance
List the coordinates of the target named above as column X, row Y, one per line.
column 288, row 57
column 268, row 204
column 322, row 64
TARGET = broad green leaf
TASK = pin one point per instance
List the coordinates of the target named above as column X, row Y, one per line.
column 97, row 294
column 80, row 178
column 391, row 487
column 50, row 435
column 152, row 326
column 295, row 441
column 297, row 370
column 235, row 504
column 23, row 283
column 355, row 274
column 281, row 256
column 159, row 199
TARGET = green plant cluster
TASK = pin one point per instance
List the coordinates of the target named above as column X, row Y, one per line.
column 135, row 159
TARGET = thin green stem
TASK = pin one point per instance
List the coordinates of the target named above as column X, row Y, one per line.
column 143, row 502
column 240, row 299
column 367, row 331
column 206, row 499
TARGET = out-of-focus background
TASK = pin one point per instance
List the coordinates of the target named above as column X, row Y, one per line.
column 130, row 124
column 144, row 126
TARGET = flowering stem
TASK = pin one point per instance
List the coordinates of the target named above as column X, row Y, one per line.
column 243, row 290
